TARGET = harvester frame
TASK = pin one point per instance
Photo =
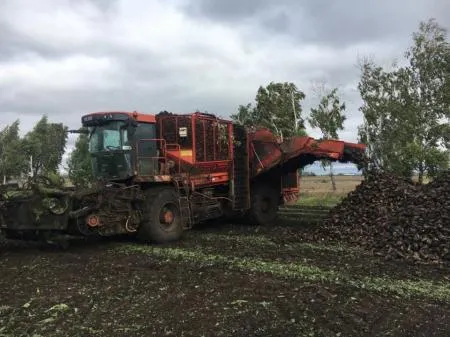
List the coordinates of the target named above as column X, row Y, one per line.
column 158, row 175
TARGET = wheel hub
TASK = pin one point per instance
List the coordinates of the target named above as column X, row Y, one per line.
column 167, row 217
column 265, row 205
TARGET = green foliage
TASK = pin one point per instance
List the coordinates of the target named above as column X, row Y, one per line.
column 329, row 115
column 46, row 144
column 244, row 115
column 301, row 132
column 407, row 110
column 325, row 200
column 385, row 114
column 55, row 179
column 13, row 160
column 80, row 169
column 277, row 107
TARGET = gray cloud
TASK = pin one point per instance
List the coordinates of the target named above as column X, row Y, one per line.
column 105, row 6
column 183, row 55
column 336, row 23
column 14, row 44
column 229, row 11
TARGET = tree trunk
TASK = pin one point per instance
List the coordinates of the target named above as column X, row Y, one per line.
column 333, row 182
column 421, row 174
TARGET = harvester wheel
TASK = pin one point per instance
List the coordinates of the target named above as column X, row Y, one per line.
column 162, row 217
column 264, row 205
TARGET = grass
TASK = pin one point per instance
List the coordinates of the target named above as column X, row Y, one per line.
column 401, row 288
column 325, row 200
column 322, row 184
column 317, row 190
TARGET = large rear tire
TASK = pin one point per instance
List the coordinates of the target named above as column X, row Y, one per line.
column 264, row 205
column 162, row 216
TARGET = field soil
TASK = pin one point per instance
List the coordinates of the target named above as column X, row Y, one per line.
column 220, row 280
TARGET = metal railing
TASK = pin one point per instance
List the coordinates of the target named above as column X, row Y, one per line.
column 157, row 165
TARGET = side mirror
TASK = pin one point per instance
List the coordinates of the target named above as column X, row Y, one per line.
column 85, row 131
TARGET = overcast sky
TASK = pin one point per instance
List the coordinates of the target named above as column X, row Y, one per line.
column 69, row 57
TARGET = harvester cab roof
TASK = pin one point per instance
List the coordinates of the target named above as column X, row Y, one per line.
column 97, row 118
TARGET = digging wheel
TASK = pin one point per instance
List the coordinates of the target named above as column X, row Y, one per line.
column 162, row 217
column 264, row 204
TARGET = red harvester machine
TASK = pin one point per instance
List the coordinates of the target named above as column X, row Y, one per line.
column 161, row 174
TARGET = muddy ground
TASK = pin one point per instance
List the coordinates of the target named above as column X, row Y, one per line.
column 220, row 280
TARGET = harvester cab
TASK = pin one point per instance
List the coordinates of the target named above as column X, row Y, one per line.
column 112, row 139
column 144, row 148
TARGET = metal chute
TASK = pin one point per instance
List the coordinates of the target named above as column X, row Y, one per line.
column 297, row 152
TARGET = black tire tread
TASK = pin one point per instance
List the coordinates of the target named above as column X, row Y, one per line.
column 255, row 216
column 150, row 232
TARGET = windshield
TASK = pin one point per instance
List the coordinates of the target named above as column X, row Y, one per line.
column 108, row 137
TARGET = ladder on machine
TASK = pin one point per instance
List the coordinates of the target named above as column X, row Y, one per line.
column 241, row 169
column 184, row 202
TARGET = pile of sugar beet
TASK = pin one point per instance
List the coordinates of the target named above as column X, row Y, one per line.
column 395, row 218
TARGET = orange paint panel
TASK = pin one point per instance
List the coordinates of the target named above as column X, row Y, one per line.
column 156, row 178
column 359, row 146
column 141, row 117
column 177, row 157
column 162, row 178
column 210, row 179
column 186, row 153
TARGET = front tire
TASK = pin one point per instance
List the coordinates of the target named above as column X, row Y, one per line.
column 162, row 217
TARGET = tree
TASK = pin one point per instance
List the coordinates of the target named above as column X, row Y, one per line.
column 277, row 107
column 245, row 115
column 406, row 110
column 79, row 163
column 429, row 76
column 12, row 157
column 329, row 118
column 46, row 144
column 386, row 119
